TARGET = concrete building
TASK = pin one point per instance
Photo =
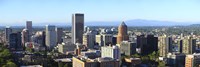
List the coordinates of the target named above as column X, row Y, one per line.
column 192, row 60
column 122, row 33
column 66, row 47
column 77, row 28
column 128, row 48
column 50, row 37
column 89, row 40
column 59, row 34
column 111, row 51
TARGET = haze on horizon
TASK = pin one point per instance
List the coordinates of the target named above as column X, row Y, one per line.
column 51, row 11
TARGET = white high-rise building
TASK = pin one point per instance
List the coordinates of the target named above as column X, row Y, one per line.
column 111, row 51
column 50, row 36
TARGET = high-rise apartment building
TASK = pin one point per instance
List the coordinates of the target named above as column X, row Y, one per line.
column 77, row 28
column 164, row 45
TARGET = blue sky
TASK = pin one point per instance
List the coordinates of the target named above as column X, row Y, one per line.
column 38, row 11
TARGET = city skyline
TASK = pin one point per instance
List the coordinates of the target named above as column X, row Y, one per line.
column 46, row 11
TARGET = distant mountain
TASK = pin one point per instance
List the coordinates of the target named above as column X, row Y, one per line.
column 138, row 22
column 135, row 22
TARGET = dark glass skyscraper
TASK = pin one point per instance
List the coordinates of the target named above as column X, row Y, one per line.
column 77, row 28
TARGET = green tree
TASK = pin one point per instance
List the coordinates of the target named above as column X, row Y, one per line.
column 10, row 64
column 161, row 64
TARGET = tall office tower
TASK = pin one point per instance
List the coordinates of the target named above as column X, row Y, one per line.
column 25, row 36
column 89, row 40
column 29, row 27
column 192, row 60
column 111, row 51
column 15, row 41
column 147, row 44
column 189, row 45
column 50, row 37
column 122, row 33
column 165, row 45
column 77, row 28
column 59, row 34
column 8, row 31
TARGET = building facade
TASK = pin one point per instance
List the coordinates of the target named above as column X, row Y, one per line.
column 111, row 51
column 122, row 33
column 50, row 37
column 77, row 28
column 128, row 48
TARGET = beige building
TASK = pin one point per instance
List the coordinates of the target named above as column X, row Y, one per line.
column 192, row 60
column 89, row 40
column 81, row 61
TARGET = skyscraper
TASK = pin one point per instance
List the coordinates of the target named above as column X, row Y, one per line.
column 59, row 34
column 50, row 36
column 8, row 31
column 77, row 28
column 29, row 27
column 122, row 33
